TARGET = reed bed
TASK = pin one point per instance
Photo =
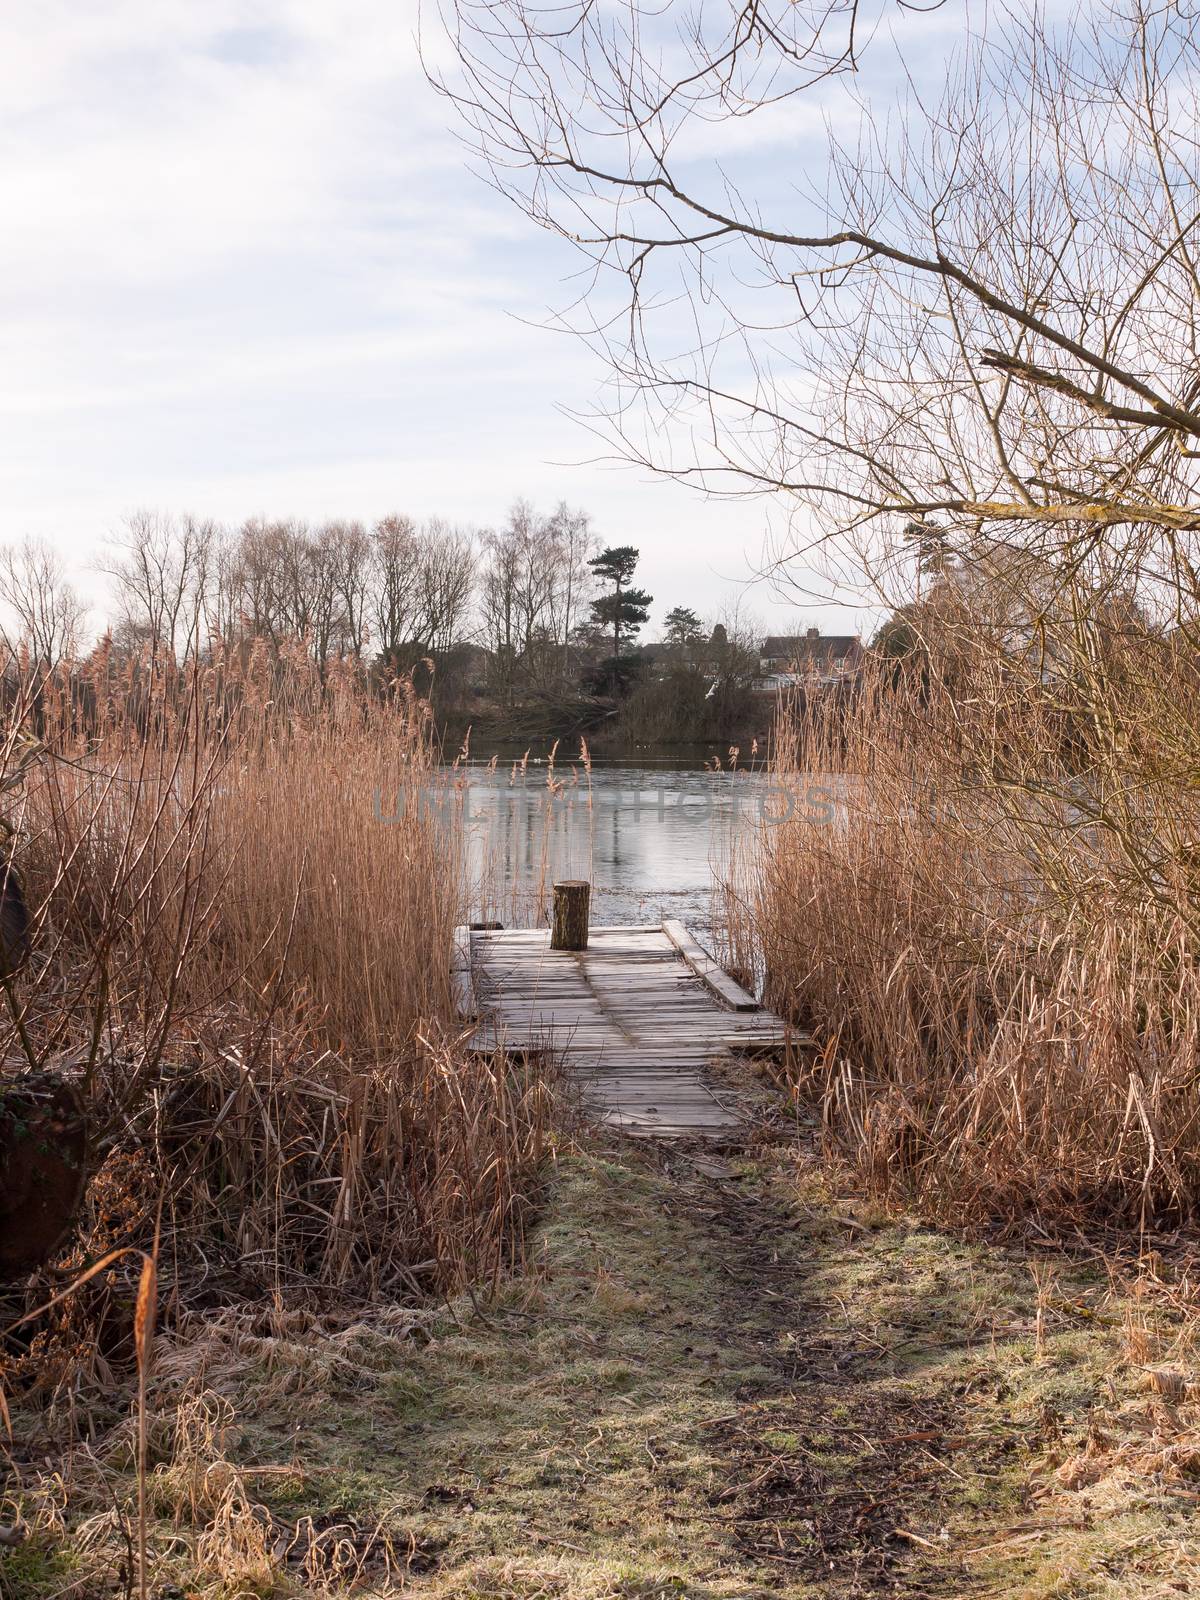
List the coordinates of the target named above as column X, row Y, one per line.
column 984, row 903
column 243, row 880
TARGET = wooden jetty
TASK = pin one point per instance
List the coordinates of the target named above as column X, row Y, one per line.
column 639, row 1017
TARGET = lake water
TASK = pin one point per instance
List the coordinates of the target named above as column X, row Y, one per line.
column 649, row 837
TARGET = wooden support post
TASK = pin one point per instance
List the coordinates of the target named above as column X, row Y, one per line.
column 572, row 902
column 462, row 983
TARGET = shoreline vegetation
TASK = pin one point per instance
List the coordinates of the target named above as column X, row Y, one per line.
column 304, row 1296
column 1005, row 977
column 233, row 1074
column 368, row 1312
column 522, row 632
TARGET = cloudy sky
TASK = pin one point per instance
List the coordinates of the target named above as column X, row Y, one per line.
column 247, row 271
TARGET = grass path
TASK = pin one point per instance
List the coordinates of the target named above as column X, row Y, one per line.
column 713, row 1378
column 713, row 1382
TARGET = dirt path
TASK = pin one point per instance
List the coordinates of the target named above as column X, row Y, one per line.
column 714, row 1379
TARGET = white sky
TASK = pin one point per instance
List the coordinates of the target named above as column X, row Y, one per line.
column 246, row 271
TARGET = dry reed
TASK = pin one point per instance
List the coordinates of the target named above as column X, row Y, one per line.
column 984, row 905
column 244, row 879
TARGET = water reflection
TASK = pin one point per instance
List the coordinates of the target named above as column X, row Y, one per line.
column 649, row 838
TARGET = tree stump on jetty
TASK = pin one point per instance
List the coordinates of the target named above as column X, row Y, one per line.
column 572, row 902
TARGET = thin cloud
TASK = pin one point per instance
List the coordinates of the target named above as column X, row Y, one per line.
column 246, row 270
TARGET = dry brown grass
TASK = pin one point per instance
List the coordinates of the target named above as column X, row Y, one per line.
column 243, row 907
column 996, row 937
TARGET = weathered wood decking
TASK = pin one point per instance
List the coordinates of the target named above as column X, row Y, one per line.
column 640, row 1017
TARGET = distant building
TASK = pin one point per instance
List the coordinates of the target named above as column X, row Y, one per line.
column 815, row 659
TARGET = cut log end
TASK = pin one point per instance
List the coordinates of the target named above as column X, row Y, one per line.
column 572, row 906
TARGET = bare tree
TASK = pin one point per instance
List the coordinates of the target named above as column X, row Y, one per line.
column 498, row 607
column 283, row 581
column 249, row 603
column 349, row 554
column 396, row 583
column 318, row 567
column 297, row 594
column 46, row 612
column 533, row 588
column 517, row 595
column 985, row 321
column 162, row 571
column 965, row 362
column 446, row 576
column 574, row 545
column 336, row 586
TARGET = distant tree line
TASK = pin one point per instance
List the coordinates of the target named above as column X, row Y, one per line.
column 530, row 626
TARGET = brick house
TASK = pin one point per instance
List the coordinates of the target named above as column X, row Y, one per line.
column 789, row 660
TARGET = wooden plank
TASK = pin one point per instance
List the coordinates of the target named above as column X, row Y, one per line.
column 636, row 1026
column 708, row 969
column 765, row 1043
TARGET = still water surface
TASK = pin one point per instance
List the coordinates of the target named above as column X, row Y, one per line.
column 650, row 837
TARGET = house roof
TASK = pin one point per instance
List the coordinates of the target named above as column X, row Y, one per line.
column 810, row 646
